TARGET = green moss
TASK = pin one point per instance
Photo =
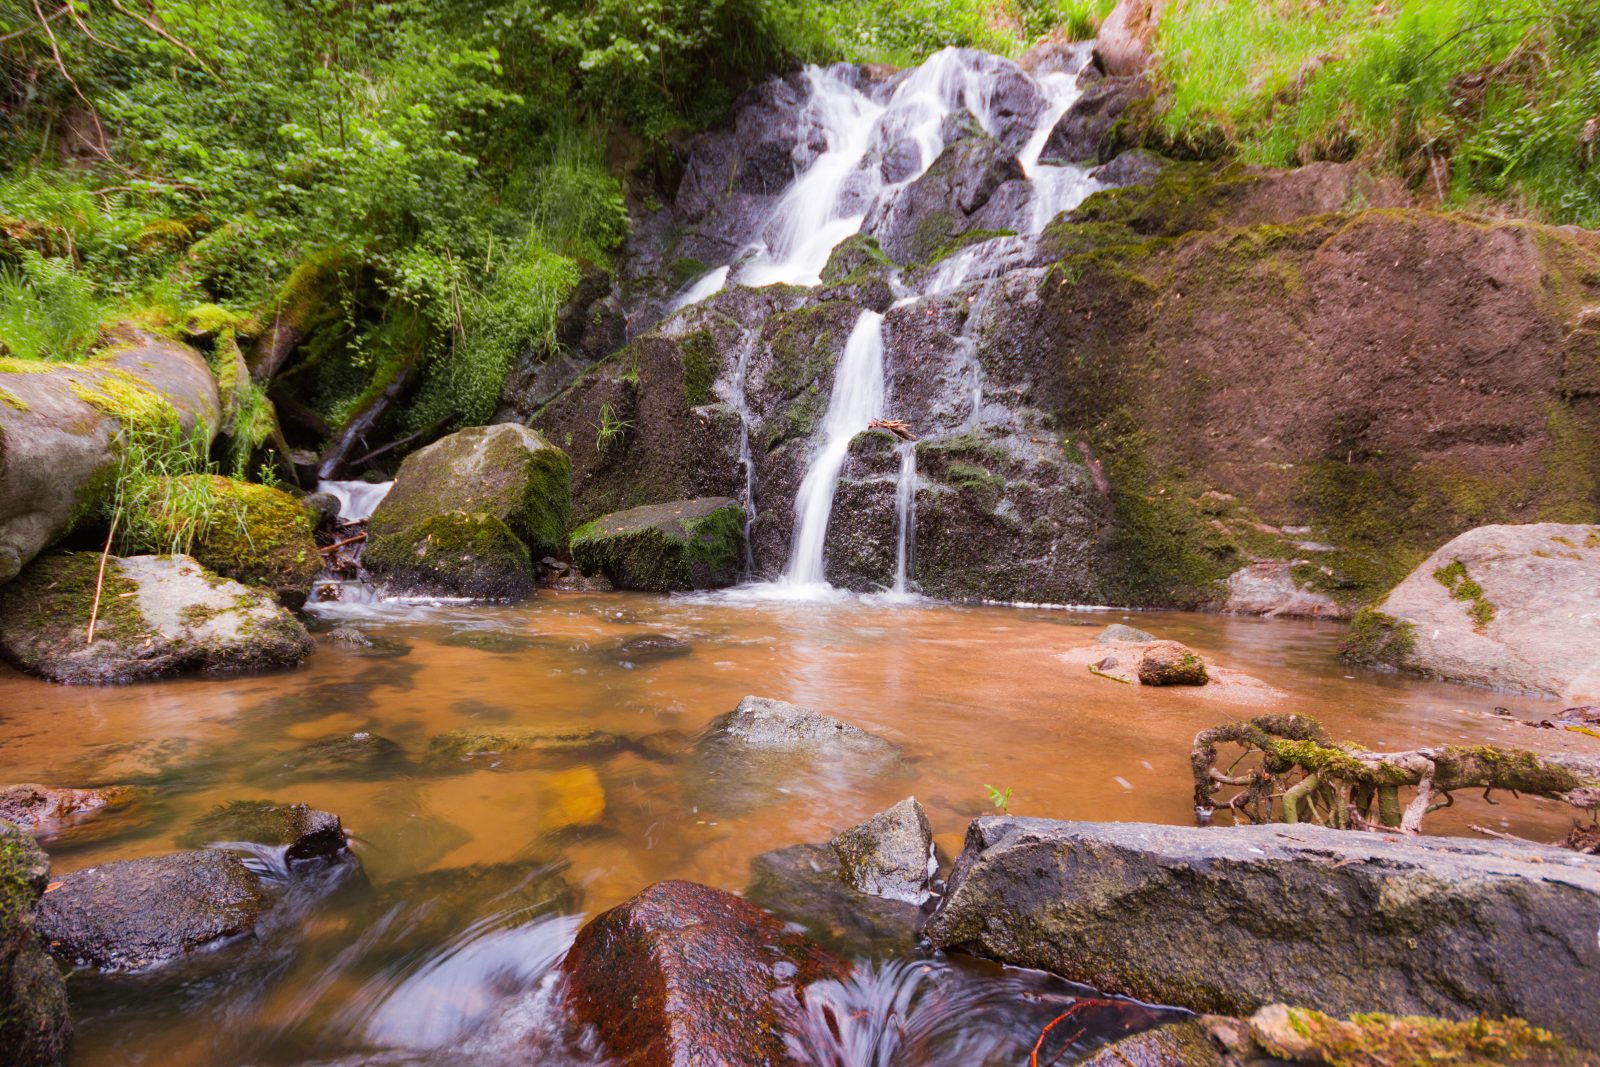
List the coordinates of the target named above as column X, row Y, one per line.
column 1367, row 1040
column 213, row 320
column 855, row 259
column 1462, row 587
column 12, row 400
column 126, row 398
column 307, row 294
column 13, row 365
column 964, row 240
column 1378, row 638
column 457, row 553
column 700, row 361
column 162, row 237
column 59, row 591
column 683, row 271
column 259, row 536
column 665, row 547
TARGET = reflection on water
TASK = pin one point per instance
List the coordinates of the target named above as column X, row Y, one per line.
column 480, row 854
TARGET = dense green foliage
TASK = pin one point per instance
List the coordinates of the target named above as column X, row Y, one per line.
column 453, row 162
column 1466, row 99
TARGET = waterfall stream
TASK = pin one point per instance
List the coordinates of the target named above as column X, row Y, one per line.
column 857, row 399
column 846, row 137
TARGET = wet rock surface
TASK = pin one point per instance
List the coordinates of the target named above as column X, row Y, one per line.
column 1080, row 133
column 753, row 755
column 1118, row 633
column 498, row 746
column 1231, row 919
column 1182, row 1044
column 664, row 548
column 35, row 1028
column 685, row 974
column 889, row 855
column 1509, row 606
column 47, row 810
column 806, row 884
column 158, row 615
column 355, row 755
column 302, row 831
column 136, row 914
column 1170, row 663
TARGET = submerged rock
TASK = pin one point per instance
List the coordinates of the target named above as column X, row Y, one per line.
column 806, row 884
column 664, row 548
column 1506, row 606
column 890, row 855
column 301, row 830
column 1170, row 663
column 429, row 909
column 478, row 746
column 755, row 754
column 158, row 615
column 35, row 1029
column 458, row 553
column 45, row 810
column 684, row 974
column 1230, row 919
column 259, row 536
column 136, row 914
column 1118, row 634
column 355, row 755
column 505, row 471
column 651, row 648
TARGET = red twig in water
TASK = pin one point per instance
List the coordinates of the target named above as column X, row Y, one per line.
column 362, row 536
column 1033, row 1058
column 100, row 579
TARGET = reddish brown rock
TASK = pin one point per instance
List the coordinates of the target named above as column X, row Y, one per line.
column 1170, row 663
column 684, row 974
column 44, row 810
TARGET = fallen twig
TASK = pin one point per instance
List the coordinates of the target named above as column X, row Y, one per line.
column 362, row 536
column 99, row 581
column 899, row 427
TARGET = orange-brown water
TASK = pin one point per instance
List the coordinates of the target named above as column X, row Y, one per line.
column 976, row 697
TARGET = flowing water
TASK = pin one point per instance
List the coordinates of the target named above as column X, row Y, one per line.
column 398, row 958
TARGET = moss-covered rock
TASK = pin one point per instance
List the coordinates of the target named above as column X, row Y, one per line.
column 661, row 548
column 261, row 537
column 34, row 1025
column 456, row 553
column 507, row 471
column 158, row 615
column 1170, row 663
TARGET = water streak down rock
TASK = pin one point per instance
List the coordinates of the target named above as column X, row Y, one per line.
column 1230, row 919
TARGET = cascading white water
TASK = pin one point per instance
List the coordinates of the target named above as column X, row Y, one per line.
column 905, row 517
column 357, row 500
column 835, row 190
column 857, row 399
column 741, row 403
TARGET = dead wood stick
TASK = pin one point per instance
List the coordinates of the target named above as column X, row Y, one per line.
column 362, row 536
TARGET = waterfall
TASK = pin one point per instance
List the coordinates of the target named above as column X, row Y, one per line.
column 741, row 404
column 857, row 399
column 844, row 175
column 905, row 516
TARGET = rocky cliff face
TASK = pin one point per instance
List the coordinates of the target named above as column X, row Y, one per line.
column 1129, row 399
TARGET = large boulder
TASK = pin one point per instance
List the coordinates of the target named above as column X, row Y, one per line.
column 158, row 615
column 753, row 755
column 1231, row 919
column 1506, row 606
column 683, row 974
column 136, row 914
column 664, row 548
column 457, row 553
column 1080, row 132
column 59, row 423
column 505, row 471
column 975, row 185
column 1270, row 588
column 805, row 884
column 259, row 536
column 35, row 1030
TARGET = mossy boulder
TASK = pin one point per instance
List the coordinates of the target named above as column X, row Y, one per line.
column 662, row 548
column 303, row 832
column 1170, row 663
column 158, row 615
column 517, row 746
column 261, row 537
column 457, row 553
column 506, row 471
column 59, row 424
column 34, row 1025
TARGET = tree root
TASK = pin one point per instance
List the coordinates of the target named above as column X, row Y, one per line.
column 1339, row 784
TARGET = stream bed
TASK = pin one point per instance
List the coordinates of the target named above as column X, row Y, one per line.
column 410, row 960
